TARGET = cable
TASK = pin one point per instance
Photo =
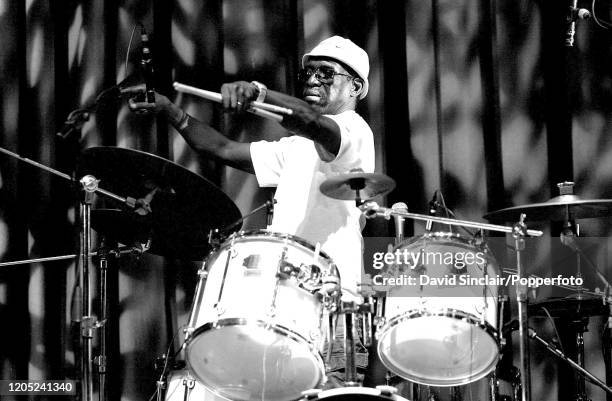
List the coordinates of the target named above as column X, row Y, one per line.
column 603, row 24
column 552, row 321
column 127, row 53
column 161, row 376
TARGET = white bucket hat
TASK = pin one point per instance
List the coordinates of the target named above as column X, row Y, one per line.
column 347, row 52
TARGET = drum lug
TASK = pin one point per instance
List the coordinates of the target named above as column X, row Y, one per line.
column 311, row 394
column 314, row 336
column 387, row 391
column 202, row 274
column 219, row 310
column 188, row 331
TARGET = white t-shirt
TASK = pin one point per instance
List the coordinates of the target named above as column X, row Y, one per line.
column 293, row 165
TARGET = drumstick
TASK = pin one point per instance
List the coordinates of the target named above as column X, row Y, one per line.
column 261, row 109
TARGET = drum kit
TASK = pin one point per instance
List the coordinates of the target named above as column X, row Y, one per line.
column 261, row 322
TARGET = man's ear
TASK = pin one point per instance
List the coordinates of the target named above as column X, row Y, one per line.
column 357, row 87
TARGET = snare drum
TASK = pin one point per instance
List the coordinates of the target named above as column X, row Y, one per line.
column 354, row 394
column 260, row 322
column 441, row 333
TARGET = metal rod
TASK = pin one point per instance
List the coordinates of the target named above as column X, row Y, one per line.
column 101, row 358
column 372, row 209
column 37, row 164
column 87, row 320
column 582, row 371
column 350, row 370
column 63, row 175
column 120, row 251
column 518, row 232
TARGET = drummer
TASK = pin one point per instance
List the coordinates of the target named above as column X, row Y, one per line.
column 326, row 136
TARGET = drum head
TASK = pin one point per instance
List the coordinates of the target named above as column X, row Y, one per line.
column 252, row 361
column 438, row 350
column 356, row 394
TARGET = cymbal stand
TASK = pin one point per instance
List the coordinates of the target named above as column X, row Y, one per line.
column 350, row 371
column 349, row 309
column 89, row 187
column 519, row 231
column 88, row 322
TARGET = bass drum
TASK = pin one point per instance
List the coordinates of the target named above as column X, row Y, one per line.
column 260, row 321
column 381, row 393
column 438, row 329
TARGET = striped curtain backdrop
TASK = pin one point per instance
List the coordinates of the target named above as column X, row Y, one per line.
column 477, row 98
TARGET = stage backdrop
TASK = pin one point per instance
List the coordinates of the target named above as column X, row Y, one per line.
column 477, row 98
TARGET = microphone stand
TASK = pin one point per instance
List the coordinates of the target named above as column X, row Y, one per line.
column 582, row 371
column 519, row 231
column 215, row 236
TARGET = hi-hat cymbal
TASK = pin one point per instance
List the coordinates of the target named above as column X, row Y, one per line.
column 184, row 206
column 559, row 208
column 345, row 186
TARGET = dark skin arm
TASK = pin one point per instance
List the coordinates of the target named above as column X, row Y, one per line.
column 305, row 121
column 200, row 136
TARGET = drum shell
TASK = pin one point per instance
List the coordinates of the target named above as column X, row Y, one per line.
column 247, row 308
column 440, row 327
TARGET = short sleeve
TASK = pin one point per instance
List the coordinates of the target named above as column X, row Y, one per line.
column 268, row 159
column 356, row 142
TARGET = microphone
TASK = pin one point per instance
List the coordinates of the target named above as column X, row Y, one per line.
column 574, row 14
column 270, row 212
column 399, row 221
column 433, row 209
column 434, row 204
column 146, row 65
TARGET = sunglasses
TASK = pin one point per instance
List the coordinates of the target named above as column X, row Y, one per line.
column 325, row 75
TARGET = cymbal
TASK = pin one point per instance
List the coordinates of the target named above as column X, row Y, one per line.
column 344, row 186
column 569, row 307
column 559, row 208
column 184, row 206
column 123, row 226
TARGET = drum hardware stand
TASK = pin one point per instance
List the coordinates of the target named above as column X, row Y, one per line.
column 519, row 231
column 350, row 371
column 89, row 187
column 579, row 369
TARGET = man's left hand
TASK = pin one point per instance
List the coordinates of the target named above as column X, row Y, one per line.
column 237, row 96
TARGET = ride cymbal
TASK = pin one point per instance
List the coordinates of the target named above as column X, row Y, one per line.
column 559, row 208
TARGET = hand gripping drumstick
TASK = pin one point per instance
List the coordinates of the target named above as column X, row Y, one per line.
column 261, row 109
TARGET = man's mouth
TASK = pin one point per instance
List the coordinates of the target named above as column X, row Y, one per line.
column 311, row 96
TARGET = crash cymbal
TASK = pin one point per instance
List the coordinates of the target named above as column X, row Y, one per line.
column 345, row 186
column 559, row 208
column 569, row 307
column 184, row 206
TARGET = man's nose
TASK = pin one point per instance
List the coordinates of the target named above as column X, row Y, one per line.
column 313, row 80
